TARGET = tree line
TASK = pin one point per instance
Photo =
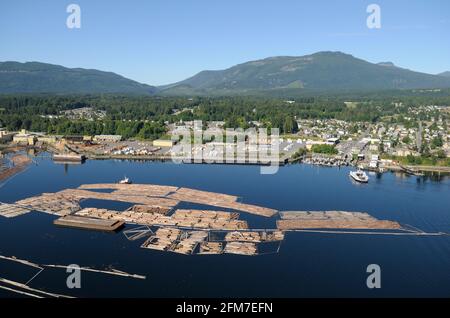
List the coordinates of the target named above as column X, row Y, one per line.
column 146, row 116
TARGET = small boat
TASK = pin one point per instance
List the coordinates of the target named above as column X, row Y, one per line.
column 125, row 181
column 359, row 176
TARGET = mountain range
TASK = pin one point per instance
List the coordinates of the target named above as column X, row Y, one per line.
column 35, row 77
column 322, row 71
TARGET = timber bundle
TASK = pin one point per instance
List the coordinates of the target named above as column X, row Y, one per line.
column 190, row 231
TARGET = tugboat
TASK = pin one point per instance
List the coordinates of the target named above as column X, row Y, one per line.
column 125, row 181
column 359, row 176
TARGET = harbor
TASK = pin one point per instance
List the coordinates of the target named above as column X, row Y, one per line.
column 171, row 225
column 190, row 231
column 213, row 157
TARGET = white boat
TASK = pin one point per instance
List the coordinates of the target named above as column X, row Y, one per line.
column 125, row 181
column 359, row 176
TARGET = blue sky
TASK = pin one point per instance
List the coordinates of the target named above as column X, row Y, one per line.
column 163, row 41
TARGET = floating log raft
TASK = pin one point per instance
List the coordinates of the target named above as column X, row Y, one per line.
column 250, row 208
column 136, row 198
column 208, row 220
column 219, row 215
column 53, row 203
column 88, row 223
column 12, row 210
column 150, row 209
column 189, row 241
column 332, row 220
column 255, row 237
column 68, row 201
column 181, row 218
column 141, row 189
column 182, row 194
column 241, row 248
column 165, row 197
column 163, row 239
column 219, row 200
column 211, row 248
column 204, row 195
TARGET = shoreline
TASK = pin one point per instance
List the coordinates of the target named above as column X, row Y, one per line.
column 282, row 162
column 190, row 161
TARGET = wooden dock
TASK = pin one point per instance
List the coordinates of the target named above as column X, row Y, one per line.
column 88, row 223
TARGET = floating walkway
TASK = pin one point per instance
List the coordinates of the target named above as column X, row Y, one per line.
column 25, row 290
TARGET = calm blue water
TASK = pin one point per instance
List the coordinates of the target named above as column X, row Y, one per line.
column 308, row 265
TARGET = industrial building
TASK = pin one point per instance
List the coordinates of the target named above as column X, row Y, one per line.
column 107, row 138
column 163, row 143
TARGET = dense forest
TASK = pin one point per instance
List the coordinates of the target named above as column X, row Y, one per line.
column 146, row 116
